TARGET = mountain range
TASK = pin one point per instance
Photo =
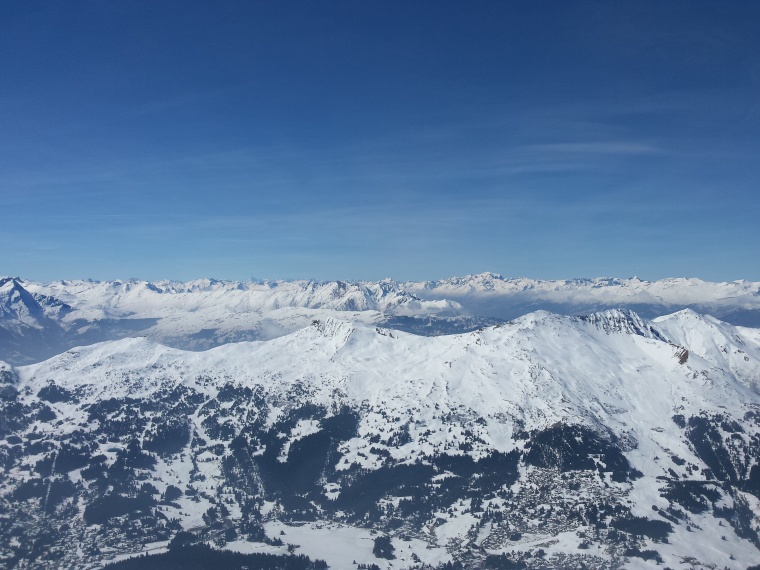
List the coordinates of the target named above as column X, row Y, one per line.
column 39, row 320
column 602, row 440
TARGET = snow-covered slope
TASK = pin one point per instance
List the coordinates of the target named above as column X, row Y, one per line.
column 603, row 439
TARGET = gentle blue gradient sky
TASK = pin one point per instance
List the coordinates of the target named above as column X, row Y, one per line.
column 366, row 139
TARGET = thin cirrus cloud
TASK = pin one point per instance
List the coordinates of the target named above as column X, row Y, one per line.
column 601, row 148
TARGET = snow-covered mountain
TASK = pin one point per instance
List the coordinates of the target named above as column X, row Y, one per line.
column 206, row 313
column 737, row 302
column 118, row 299
column 29, row 325
column 545, row 442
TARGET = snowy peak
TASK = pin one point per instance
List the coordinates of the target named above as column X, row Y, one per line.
column 18, row 304
column 621, row 321
column 27, row 333
column 704, row 334
column 723, row 345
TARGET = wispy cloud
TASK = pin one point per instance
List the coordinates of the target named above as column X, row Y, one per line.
column 178, row 102
column 604, row 148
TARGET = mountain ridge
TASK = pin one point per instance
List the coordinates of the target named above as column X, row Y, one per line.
column 203, row 313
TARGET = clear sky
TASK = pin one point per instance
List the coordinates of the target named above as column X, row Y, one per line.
column 364, row 139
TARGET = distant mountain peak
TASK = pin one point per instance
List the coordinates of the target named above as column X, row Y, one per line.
column 18, row 303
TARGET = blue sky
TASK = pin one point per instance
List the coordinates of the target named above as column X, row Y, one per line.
column 358, row 140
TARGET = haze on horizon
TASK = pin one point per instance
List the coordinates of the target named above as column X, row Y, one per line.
column 365, row 140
